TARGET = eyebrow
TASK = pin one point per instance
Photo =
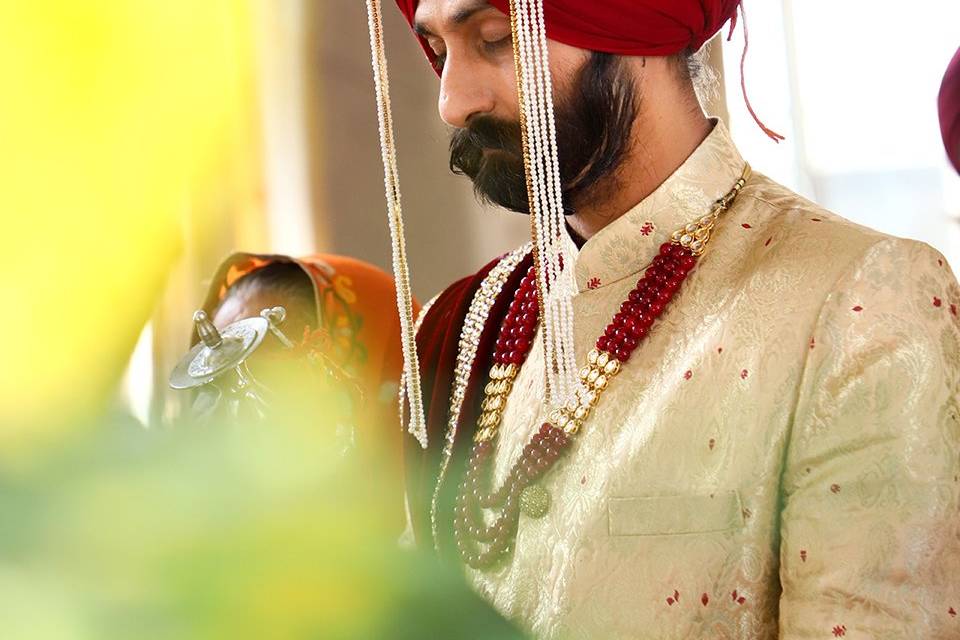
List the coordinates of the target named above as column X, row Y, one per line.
column 460, row 17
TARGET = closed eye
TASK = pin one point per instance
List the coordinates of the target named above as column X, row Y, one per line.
column 497, row 45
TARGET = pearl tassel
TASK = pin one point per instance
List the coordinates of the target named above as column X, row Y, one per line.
column 411, row 365
column 556, row 284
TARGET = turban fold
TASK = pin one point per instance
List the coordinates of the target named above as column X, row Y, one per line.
column 624, row 27
column 949, row 104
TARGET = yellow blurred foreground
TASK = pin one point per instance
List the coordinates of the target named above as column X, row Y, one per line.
column 112, row 114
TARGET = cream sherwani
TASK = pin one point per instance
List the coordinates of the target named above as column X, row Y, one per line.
column 779, row 458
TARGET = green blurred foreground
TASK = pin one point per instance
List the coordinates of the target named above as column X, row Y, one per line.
column 217, row 532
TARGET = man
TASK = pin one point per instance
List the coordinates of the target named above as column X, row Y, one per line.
column 768, row 443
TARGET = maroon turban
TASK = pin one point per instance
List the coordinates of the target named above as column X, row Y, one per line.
column 950, row 111
column 625, row 27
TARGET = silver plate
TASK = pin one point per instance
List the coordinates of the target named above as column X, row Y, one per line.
column 202, row 364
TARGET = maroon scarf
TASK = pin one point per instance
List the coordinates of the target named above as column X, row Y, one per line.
column 438, row 343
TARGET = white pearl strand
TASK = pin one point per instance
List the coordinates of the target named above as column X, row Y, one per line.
column 557, row 285
column 411, row 365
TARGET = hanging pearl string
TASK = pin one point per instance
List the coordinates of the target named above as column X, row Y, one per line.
column 564, row 279
column 391, row 180
column 555, row 284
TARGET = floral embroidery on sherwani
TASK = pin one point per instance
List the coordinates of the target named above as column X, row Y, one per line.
column 781, row 456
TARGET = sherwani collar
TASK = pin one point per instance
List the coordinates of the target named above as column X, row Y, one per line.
column 628, row 244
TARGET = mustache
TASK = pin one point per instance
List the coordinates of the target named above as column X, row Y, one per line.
column 499, row 177
column 489, row 133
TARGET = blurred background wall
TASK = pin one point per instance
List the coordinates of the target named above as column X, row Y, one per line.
column 852, row 85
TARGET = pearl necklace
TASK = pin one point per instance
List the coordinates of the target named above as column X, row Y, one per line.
column 631, row 324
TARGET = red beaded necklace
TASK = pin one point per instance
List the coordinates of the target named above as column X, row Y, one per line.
column 632, row 323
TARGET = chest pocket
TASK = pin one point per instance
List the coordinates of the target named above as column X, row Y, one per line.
column 675, row 514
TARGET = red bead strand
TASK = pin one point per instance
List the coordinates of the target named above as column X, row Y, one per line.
column 645, row 303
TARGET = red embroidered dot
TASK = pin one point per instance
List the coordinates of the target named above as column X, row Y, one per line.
column 719, row 349
column 704, row 599
column 594, row 283
column 767, row 243
column 746, row 226
column 647, row 228
column 835, row 488
column 937, row 301
column 858, row 308
column 688, row 375
column 839, row 630
column 744, row 374
column 813, row 342
column 953, row 309
column 952, row 611
column 940, row 262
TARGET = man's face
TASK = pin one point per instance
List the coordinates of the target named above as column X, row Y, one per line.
column 474, row 46
column 478, row 97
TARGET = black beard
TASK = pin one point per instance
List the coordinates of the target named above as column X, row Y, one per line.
column 594, row 124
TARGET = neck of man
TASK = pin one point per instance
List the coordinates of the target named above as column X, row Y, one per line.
column 663, row 137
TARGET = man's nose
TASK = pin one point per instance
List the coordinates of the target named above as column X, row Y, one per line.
column 463, row 94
